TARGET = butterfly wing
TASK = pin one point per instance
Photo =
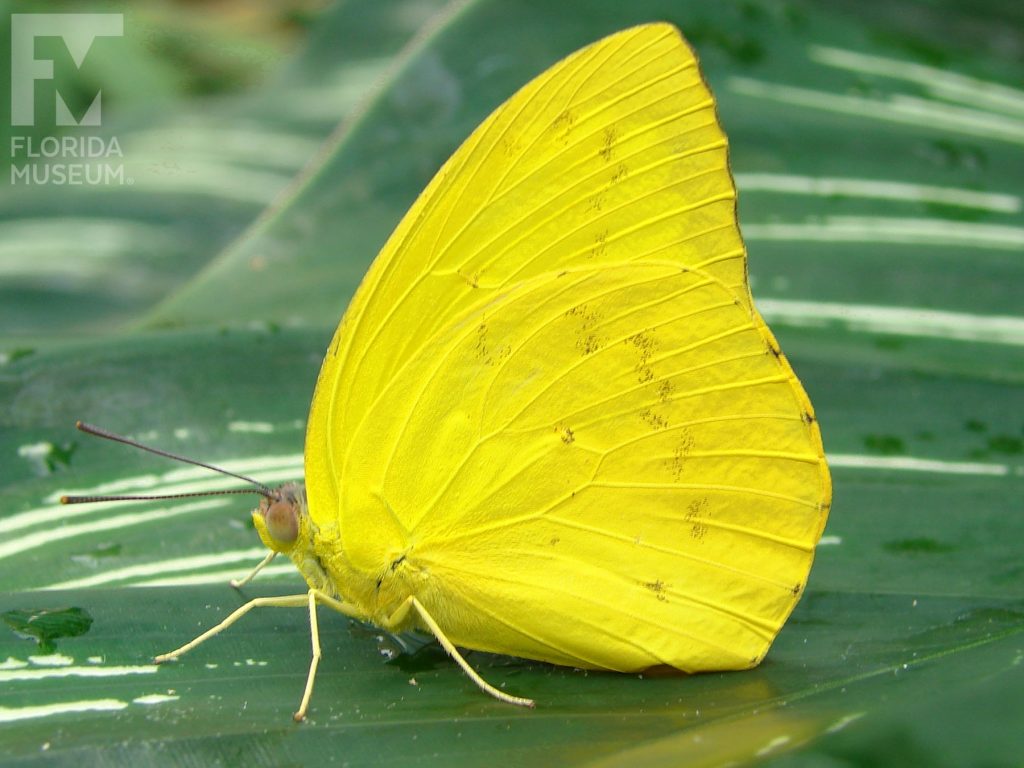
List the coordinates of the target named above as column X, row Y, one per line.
column 552, row 399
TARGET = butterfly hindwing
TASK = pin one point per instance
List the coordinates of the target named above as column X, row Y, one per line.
column 627, row 426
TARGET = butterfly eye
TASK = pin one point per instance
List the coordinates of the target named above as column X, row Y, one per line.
column 282, row 521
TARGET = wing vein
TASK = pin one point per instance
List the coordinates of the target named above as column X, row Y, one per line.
column 666, row 213
column 516, row 225
column 624, row 539
column 763, row 629
column 604, row 349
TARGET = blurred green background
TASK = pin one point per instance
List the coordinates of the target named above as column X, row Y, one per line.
column 265, row 153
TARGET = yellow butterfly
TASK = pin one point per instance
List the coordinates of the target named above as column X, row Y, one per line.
column 551, row 423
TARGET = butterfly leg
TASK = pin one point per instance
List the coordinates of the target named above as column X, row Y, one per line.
column 310, row 600
column 314, row 636
column 239, row 583
column 413, row 604
column 286, row 601
column 314, row 597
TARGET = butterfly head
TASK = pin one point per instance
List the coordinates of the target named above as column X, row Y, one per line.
column 281, row 519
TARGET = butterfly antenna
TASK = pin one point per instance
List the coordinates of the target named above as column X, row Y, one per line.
column 91, row 429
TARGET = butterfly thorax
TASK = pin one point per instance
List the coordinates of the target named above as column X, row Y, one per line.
column 368, row 551
column 376, row 590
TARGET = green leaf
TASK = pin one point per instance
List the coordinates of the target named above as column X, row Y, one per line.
column 184, row 179
column 839, row 145
column 877, row 147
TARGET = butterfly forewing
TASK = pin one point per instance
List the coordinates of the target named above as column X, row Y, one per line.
column 613, row 154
